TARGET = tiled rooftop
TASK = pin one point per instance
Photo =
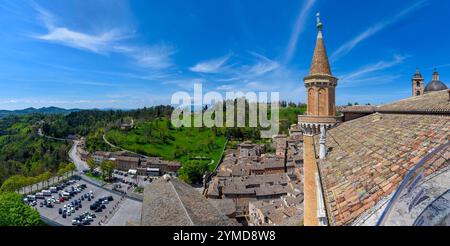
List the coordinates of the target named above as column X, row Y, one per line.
column 433, row 102
column 357, row 108
column 370, row 156
column 174, row 203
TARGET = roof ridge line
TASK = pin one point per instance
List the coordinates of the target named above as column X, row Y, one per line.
column 182, row 205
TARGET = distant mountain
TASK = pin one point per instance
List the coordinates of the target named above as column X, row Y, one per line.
column 45, row 110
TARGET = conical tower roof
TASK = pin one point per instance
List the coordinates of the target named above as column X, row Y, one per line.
column 320, row 63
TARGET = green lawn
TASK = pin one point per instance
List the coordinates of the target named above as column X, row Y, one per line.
column 158, row 138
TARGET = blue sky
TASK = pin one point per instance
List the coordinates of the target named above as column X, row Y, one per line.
column 128, row 54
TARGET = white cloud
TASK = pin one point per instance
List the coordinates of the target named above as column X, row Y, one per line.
column 398, row 59
column 298, row 29
column 263, row 66
column 211, row 66
column 348, row 46
column 99, row 43
column 154, row 57
column 368, row 75
column 110, row 40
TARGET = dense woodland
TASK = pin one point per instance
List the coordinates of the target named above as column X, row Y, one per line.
column 24, row 152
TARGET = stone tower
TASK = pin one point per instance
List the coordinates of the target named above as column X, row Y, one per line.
column 321, row 90
column 417, row 84
column 321, row 115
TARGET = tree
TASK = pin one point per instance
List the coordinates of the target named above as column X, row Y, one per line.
column 92, row 165
column 107, row 169
column 13, row 212
column 193, row 171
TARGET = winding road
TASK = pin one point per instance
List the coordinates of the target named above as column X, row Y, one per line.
column 80, row 164
column 73, row 155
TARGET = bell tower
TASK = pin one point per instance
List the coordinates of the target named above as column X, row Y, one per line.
column 321, row 90
column 417, row 84
column 321, row 116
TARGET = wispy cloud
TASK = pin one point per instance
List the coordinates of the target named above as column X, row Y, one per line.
column 348, row 46
column 99, row 43
column 260, row 66
column 299, row 27
column 263, row 66
column 220, row 69
column 154, row 57
column 367, row 74
column 215, row 65
column 107, row 41
column 375, row 67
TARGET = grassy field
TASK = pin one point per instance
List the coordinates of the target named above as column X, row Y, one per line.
column 158, row 138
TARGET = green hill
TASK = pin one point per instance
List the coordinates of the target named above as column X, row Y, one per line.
column 159, row 138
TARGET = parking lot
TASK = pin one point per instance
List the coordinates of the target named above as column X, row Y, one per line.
column 79, row 204
column 125, row 182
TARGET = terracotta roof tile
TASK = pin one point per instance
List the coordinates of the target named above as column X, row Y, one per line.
column 369, row 158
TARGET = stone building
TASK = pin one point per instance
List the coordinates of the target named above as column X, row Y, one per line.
column 250, row 149
column 417, row 84
column 84, row 155
column 126, row 163
column 321, row 115
column 320, row 84
column 280, row 144
column 435, row 84
column 163, row 166
column 100, row 156
column 353, row 168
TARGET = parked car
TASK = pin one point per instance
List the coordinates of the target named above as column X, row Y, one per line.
column 47, row 193
column 31, row 198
